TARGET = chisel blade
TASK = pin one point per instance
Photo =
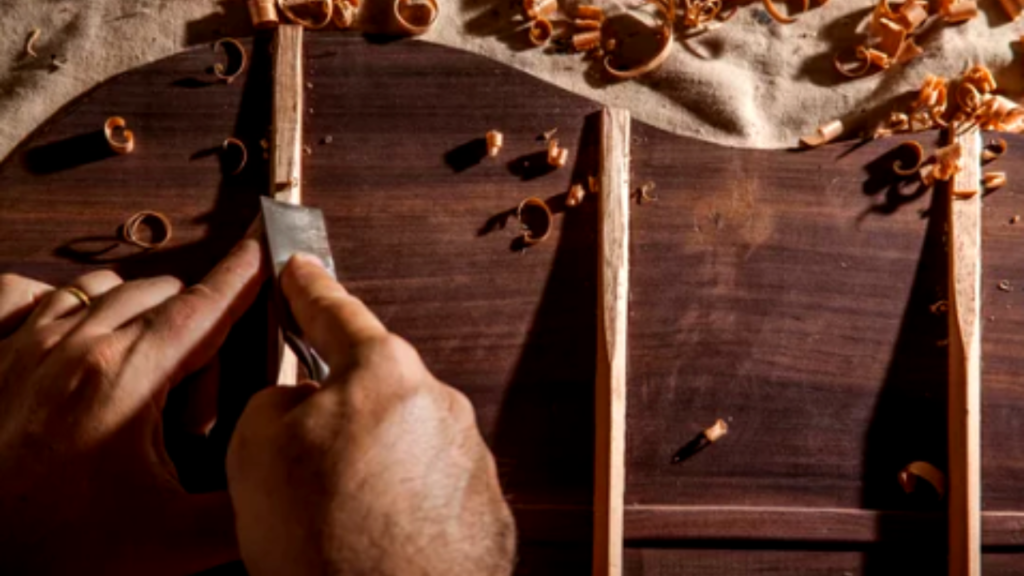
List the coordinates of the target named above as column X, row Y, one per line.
column 291, row 229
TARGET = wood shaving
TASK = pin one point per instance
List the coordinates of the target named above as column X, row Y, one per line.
column 30, row 42
column 993, row 180
column 994, row 149
column 644, row 192
column 549, row 134
column 575, row 196
column 537, row 9
column 890, row 38
column 120, row 139
column 263, row 13
column 956, row 12
column 557, row 156
column 541, row 31
column 1015, row 219
column 915, row 471
column 773, row 11
column 219, row 69
column 244, row 154
column 328, row 12
column 531, row 237
column 345, row 13
column 495, row 140
column 918, row 150
column 662, row 32
column 586, row 41
column 826, row 133
column 940, row 307
column 1005, row 286
column 584, row 25
column 1013, row 8
column 158, row 224
column 415, row 16
column 585, row 12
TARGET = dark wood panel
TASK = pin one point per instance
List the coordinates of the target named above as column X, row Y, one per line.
column 780, row 292
column 764, row 292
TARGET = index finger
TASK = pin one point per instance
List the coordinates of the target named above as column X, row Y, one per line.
column 18, row 297
column 332, row 320
column 185, row 333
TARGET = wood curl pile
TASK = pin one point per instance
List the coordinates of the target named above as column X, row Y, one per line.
column 412, row 17
column 892, row 33
column 975, row 105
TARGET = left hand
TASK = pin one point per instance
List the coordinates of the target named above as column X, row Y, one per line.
column 86, row 485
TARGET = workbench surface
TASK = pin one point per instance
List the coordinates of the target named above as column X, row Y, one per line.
column 787, row 293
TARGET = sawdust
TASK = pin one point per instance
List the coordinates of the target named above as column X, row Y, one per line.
column 751, row 82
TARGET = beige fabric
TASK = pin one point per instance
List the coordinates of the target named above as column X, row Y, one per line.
column 751, row 82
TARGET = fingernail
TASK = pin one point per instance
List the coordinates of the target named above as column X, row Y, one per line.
column 309, row 259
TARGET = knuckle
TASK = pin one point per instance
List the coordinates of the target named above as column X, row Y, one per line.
column 101, row 358
column 10, row 281
column 106, row 276
column 460, row 407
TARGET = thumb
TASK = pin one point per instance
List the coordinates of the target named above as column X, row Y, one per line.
column 332, row 320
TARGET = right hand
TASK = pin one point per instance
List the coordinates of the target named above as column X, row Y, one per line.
column 378, row 471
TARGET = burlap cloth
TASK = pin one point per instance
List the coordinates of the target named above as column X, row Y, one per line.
column 751, row 82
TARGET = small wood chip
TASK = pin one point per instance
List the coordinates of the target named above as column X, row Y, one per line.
column 1005, row 286
column 31, row 42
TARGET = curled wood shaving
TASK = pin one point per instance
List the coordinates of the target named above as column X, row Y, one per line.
column 662, row 32
column 244, row 154
column 158, row 224
column 940, row 307
column 536, row 9
column 541, row 31
column 263, row 13
column 956, row 12
column 121, row 139
column 644, row 193
column 530, row 237
column 999, row 113
column 993, row 180
column 826, row 133
column 557, row 156
column 862, row 56
column 914, row 471
column 219, row 69
column 1005, row 286
column 328, row 11
column 1013, row 8
column 586, row 41
column 415, row 16
column 947, row 162
column 994, row 149
column 918, row 150
column 698, row 13
column 773, row 11
column 345, row 12
column 576, row 195
column 30, row 43
column 495, row 140
column 583, row 25
column 585, row 12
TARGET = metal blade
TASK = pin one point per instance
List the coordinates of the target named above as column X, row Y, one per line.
column 290, row 229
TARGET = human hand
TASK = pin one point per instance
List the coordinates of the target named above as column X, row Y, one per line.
column 85, row 482
column 379, row 471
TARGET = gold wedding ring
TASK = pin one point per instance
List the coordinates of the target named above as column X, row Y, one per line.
column 80, row 295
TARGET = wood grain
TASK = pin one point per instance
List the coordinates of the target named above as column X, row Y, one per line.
column 613, row 317
column 787, row 293
column 965, row 263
